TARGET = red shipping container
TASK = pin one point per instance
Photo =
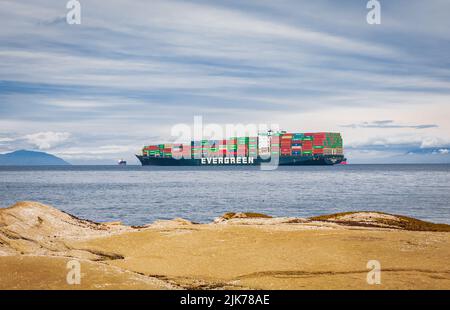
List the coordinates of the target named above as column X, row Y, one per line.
column 151, row 148
column 275, row 140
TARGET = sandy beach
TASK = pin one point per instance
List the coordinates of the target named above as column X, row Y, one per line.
column 236, row 251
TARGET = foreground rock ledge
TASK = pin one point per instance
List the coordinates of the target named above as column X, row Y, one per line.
column 237, row 250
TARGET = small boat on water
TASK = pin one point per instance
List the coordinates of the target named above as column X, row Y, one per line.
column 122, row 162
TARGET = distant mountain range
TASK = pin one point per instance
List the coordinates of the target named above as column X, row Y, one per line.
column 30, row 158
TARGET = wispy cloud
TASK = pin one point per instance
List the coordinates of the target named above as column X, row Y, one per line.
column 47, row 140
column 388, row 124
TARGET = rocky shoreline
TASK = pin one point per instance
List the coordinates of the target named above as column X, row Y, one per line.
column 237, row 250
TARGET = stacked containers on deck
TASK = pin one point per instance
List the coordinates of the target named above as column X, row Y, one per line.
column 181, row 151
column 253, row 147
column 216, row 149
column 232, row 147
column 286, row 144
column 263, row 144
column 177, row 150
column 151, row 150
column 318, row 141
column 275, row 144
column 167, row 150
column 333, row 144
column 196, row 148
column 307, row 144
column 205, row 148
column 242, row 146
column 297, row 144
column 187, row 150
column 212, row 148
column 222, row 148
column 161, row 150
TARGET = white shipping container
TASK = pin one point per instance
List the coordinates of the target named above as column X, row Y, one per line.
column 265, row 141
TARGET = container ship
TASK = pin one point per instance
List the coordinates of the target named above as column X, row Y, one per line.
column 322, row 148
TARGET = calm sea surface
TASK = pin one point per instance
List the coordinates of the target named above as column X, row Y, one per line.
column 138, row 195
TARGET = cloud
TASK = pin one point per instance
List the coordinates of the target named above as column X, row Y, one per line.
column 402, row 153
column 47, row 140
column 96, row 151
column 434, row 142
column 3, row 140
column 388, row 124
column 401, row 143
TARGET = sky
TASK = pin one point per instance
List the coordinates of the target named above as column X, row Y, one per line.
column 96, row 92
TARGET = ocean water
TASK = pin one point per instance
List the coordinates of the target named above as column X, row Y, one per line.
column 139, row 195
